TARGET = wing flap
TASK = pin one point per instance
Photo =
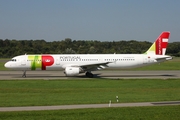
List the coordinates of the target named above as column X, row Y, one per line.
column 93, row 66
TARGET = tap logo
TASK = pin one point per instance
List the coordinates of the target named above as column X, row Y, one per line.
column 40, row 61
column 47, row 60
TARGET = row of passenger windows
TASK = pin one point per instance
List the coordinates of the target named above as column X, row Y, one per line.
column 86, row 60
column 96, row 59
column 119, row 59
column 78, row 59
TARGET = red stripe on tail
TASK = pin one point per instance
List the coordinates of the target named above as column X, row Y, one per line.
column 162, row 42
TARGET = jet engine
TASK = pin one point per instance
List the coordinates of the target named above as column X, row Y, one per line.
column 72, row 71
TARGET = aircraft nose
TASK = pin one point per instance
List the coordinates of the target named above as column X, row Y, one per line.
column 7, row 65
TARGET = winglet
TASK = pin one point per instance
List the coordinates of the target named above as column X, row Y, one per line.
column 160, row 45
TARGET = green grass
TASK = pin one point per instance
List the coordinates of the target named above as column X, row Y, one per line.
column 91, row 91
column 2, row 62
column 129, row 113
column 2, row 66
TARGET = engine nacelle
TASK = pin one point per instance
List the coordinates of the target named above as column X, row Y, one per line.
column 72, row 71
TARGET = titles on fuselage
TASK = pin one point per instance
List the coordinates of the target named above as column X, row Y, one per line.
column 70, row 57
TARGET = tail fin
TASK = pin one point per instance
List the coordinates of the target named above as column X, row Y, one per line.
column 160, row 45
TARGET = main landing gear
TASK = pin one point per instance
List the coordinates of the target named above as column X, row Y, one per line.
column 24, row 74
column 89, row 74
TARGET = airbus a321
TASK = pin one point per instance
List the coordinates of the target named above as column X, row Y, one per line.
column 74, row 64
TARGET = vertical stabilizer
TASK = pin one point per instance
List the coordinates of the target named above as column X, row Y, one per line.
column 160, row 45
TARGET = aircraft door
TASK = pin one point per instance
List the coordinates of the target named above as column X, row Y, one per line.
column 146, row 59
column 57, row 61
column 100, row 59
column 23, row 62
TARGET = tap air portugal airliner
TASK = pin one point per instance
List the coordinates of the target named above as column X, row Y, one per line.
column 74, row 64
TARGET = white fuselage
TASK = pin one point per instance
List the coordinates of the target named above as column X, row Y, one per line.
column 122, row 61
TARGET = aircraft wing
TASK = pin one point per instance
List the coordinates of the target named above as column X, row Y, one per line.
column 93, row 66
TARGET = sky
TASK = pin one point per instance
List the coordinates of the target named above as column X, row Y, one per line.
column 103, row 20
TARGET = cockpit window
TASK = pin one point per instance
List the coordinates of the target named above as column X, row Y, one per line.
column 13, row 60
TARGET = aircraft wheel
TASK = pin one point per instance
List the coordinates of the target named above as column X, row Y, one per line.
column 89, row 74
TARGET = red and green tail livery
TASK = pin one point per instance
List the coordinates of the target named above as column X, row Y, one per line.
column 160, row 45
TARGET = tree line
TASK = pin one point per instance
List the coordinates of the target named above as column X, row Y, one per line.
column 11, row 48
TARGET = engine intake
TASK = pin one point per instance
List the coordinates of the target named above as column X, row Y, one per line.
column 72, row 71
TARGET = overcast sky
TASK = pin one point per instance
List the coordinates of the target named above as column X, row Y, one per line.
column 104, row 20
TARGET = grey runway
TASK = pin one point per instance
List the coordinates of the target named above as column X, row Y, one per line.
column 114, row 74
column 50, row 75
column 61, row 107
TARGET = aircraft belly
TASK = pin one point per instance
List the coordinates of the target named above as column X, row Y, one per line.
column 123, row 65
column 54, row 68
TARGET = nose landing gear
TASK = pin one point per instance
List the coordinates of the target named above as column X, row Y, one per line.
column 24, row 74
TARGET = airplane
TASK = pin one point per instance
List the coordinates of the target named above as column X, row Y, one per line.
column 74, row 64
